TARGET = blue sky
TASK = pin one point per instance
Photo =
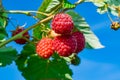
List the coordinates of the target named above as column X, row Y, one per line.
column 99, row 64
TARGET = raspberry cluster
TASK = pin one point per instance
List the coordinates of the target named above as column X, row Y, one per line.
column 66, row 43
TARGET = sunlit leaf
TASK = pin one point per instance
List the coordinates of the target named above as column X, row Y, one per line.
column 113, row 6
column 48, row 6
column 52, row 5
column 43, row 8
column 7, row 55
column 68, row 5
column 98, row 3
column 91, row 39
column 102, row 10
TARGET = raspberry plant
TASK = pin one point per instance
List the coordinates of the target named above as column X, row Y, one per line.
column 53, row 46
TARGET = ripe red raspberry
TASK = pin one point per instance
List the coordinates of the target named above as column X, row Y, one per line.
column 64, row 45
column 62, row 24
column 20, row 40
column 80, row 41
column 44, row 48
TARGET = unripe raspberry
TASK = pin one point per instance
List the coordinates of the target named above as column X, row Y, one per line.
column 62, row 24
column 75, row 60
column 80, row 41
column 64, row 45
column 44, row 48
column 115, row 25
column 20, row 40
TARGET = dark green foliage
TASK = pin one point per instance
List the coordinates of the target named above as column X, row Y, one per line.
column 35, row 68
column 7, row 55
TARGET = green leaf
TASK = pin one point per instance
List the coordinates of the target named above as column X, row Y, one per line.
column 98, row 3
column 48, row 6
column 3, row 34
column 43, row 8
column 3, row 19
column 41, row 69
column 53, row 4
column 7, row 55
column 3, row 23
column 3, row 16
column 113, row 2
column 102, row 10
column 91, row 39
column 101, row 4
column 114, row 5
column 28, row 50
column 68, row 5
column 44, row 69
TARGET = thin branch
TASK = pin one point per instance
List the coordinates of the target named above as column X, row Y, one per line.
column 109, row 16
column 25, row 12
column 27, row 40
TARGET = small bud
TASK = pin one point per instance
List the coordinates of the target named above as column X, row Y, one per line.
column 115, row 25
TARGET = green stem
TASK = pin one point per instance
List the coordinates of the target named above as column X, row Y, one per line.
column 25, row 12
column 106, row 6
column 28, row 40
column 11, row 39
column 21, row 33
